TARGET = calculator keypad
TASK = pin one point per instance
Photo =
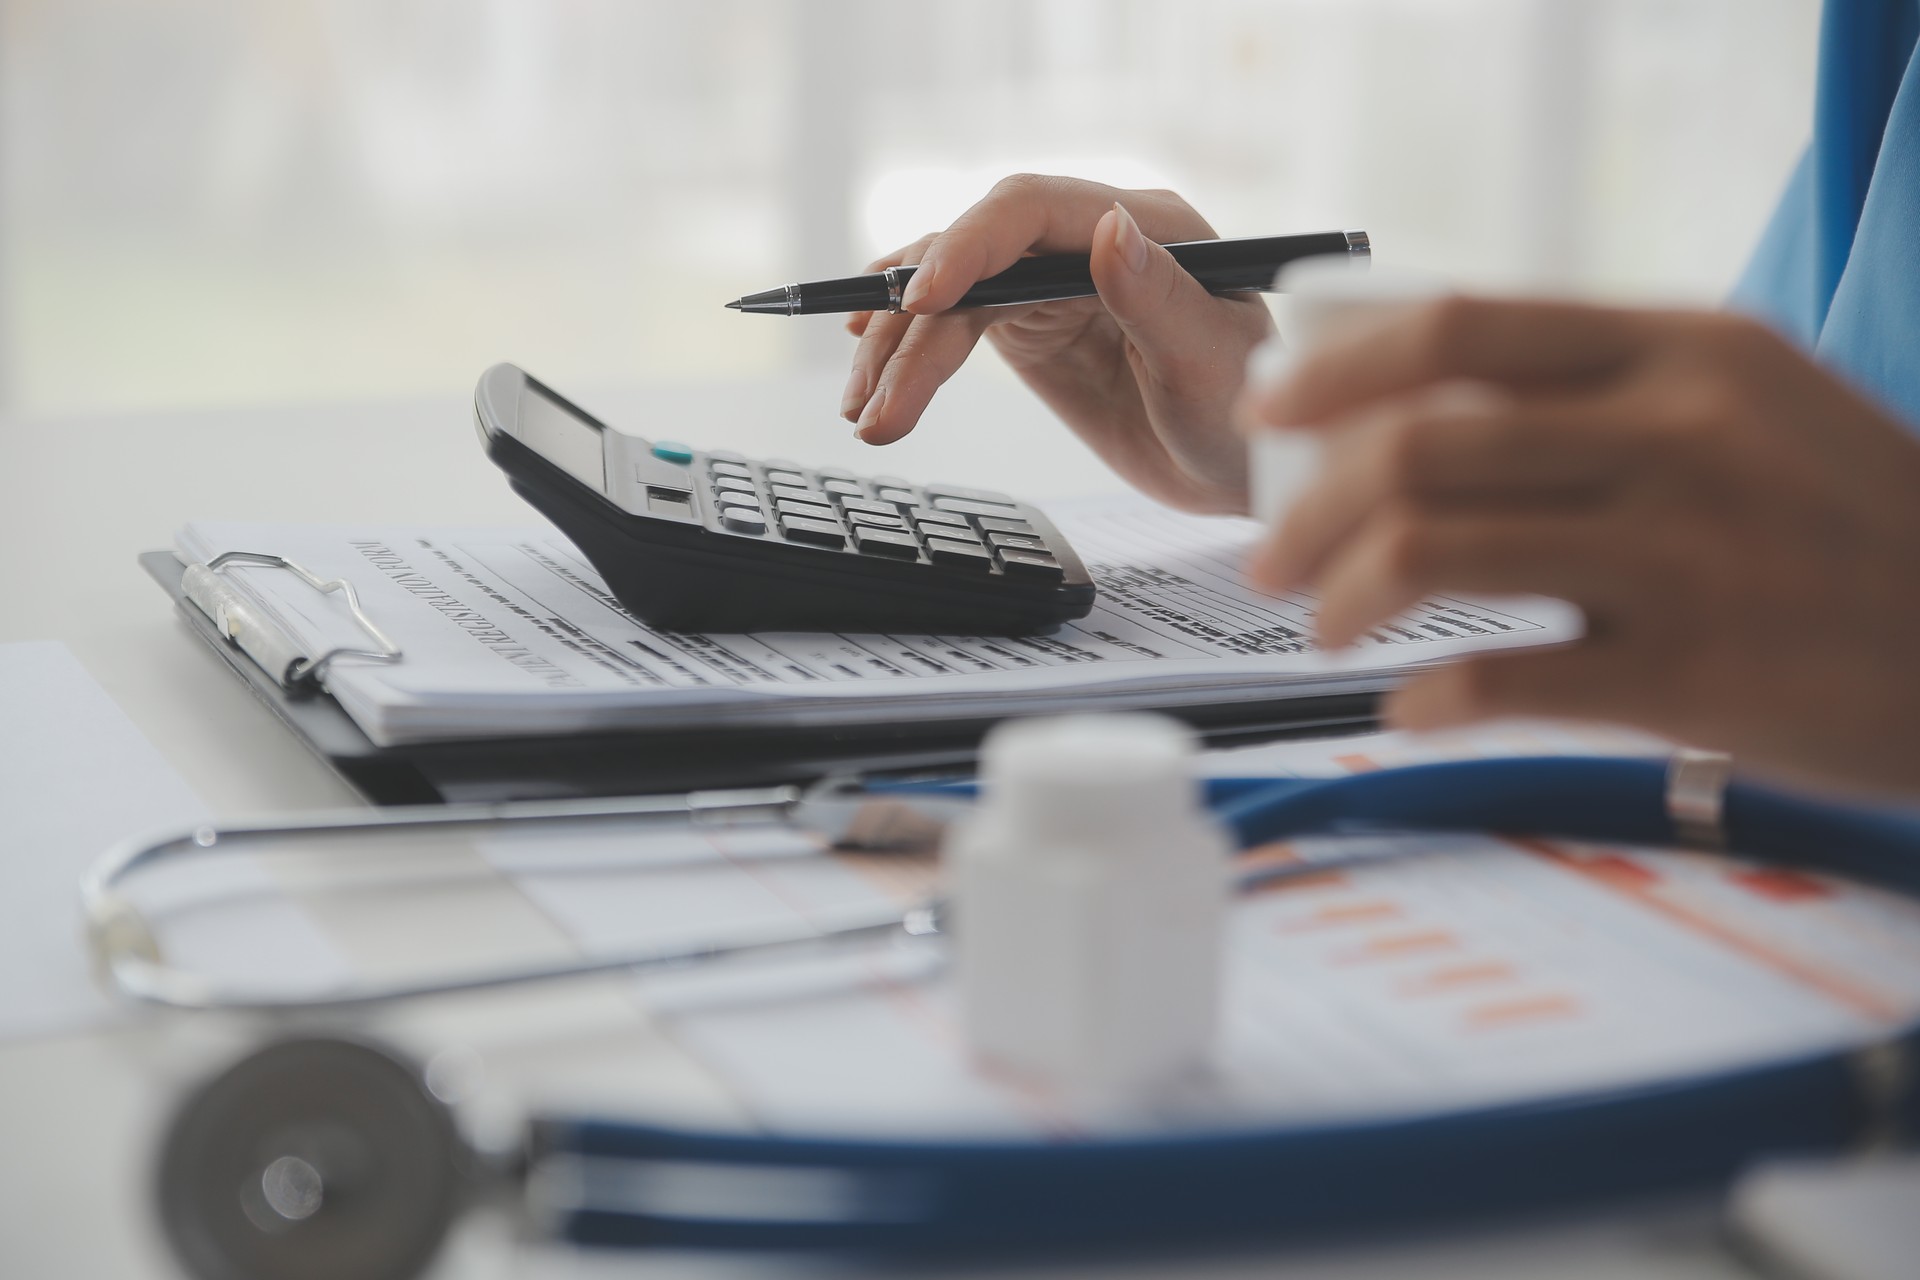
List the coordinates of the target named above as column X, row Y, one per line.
column 881, row 516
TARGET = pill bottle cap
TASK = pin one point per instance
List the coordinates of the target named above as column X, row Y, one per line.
column 1321, row 297
column 1089, row 777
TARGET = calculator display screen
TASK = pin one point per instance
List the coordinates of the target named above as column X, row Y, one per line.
column 562, row 438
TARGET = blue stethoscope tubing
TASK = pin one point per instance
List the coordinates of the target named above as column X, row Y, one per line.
column 1602, row 799
column 1661, row 1137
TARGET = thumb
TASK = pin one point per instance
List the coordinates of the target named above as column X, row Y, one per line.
column 1184, row 337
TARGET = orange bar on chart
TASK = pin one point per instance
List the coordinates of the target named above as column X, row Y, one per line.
column 1617, row 870
column 1335, row 914
column 1779, row 885
column 1509, row 1013
column 1394, row 945
column 1453, row 977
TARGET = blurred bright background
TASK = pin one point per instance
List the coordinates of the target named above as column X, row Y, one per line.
column 225, row 202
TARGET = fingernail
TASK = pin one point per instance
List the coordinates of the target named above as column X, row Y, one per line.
column 870, row 413
column 1127, row 238
column 854, row 396
column 1268, row 363
column 918, row 286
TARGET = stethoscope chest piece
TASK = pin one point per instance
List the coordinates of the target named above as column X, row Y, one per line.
column 315, row 1158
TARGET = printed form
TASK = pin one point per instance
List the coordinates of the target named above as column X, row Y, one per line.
column 513, row 627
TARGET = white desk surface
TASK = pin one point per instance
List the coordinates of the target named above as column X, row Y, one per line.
column 79, row 497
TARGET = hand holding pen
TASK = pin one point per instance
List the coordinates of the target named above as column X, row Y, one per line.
column 1145, row 371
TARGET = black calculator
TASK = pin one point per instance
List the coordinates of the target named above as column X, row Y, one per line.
column 692, row 540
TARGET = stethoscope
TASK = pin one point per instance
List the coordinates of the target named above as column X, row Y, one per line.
column 334, row 1156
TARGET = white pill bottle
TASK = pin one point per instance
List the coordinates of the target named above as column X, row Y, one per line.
column 1321, row 298
column 1089, row 891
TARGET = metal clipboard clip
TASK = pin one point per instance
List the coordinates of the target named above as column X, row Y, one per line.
column 247, row 625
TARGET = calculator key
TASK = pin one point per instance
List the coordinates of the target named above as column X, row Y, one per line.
column 1017, row 542
column 889, row 482
column 868, row 504
column 1031, row 564
column 924, row 516
column 673, row 451
column 733, row 484
column 949, row 551
column 885, row 542
column 730, row 469
column 726, row 456
column 975, row 495
column 796, row 492
column 951, row 534
column 743, row 520
column 823, row 533
column 1006, row 526
column 900, row 497
column 805, row 510
column 786, row 477
column 967, row 506
column 845, row 488
column 872, row 521
column 746, row 500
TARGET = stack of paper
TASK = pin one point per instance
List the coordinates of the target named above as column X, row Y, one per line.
column 511, row 632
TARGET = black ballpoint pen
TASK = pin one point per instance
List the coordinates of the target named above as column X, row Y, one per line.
column 1223, row 266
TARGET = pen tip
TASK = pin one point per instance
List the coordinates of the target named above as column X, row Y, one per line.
column 734, row 305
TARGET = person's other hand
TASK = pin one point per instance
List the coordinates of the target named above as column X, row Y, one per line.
column 1145, row 373
column 1742, row 529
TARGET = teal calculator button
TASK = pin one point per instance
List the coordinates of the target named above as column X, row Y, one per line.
column 672, row 451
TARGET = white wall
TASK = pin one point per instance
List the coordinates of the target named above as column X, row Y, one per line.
column 228, row 201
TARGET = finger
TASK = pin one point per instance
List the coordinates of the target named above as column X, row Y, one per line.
column 877, row 345
column 1509, row 342
column 1588, row 679
column 868, row 359
column 905, row 255
column 1186, row 338
column 1187, row 347
column 932, row 349
column 1398, row 560
column 1031, row 213
column 1458, row 444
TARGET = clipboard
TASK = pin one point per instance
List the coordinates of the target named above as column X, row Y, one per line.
column 586, row 765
